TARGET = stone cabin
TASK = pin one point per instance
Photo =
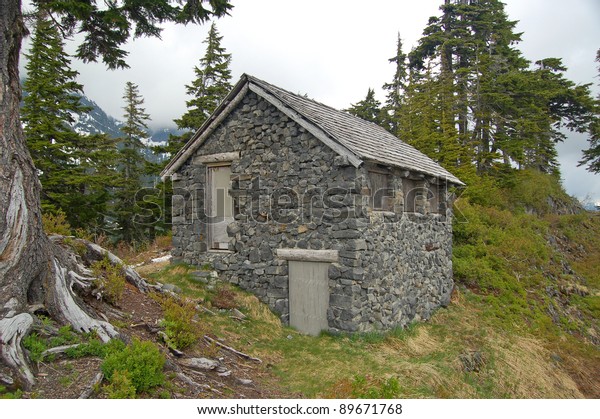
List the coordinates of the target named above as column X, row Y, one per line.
column 329, row 219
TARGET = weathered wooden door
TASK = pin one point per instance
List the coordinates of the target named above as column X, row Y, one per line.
column 308, row 273
column 309, row 296
column 220, row 206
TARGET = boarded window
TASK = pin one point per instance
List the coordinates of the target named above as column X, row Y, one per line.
column 409, row 188
column 433, row 196
column 381, row 192
column 219, row 205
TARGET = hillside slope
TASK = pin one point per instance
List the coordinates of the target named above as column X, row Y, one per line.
column 522, row 323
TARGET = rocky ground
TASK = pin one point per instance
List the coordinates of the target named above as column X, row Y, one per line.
column 225, row 374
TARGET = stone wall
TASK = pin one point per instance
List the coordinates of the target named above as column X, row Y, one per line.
column 292, row 191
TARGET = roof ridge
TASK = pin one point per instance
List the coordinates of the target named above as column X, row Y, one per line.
column 292, row 93
column 347, row 134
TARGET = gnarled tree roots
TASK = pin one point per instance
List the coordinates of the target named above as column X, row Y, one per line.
column 66, row 281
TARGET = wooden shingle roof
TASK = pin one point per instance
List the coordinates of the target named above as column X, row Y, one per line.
column 357, row 139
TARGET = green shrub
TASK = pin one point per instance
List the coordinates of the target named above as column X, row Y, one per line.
column 66, row 336
column 142, row 361
column 56, row 223
column 95, row 347
column 178, row 322
column 366, row 387
column 4, row 394
column 110, row 280
column 36, row 346
column 120, row 386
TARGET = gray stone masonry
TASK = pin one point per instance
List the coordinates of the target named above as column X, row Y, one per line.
column 292, row 191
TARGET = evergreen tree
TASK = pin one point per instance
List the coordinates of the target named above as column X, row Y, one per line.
column 591, row 156
column 505, row 112
column 368, row 109
column 71, row 166
column 395, row 89
column 210, row 87
column 132, row 167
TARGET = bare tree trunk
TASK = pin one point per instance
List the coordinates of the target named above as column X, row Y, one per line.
column 33, row 270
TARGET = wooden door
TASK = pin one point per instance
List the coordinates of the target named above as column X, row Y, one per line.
column 220, row 206
column 309, row 296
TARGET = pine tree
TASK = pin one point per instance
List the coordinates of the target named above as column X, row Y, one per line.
column 132, row 167
column 368, row 109
column 591, row 156
column 505, row 112
column 395, row 89
column 70, row 165
column 210, row 87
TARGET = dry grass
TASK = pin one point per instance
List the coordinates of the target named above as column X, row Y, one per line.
column 425, row 360
column 526, row 370
column 257, row 310
column 151, row 268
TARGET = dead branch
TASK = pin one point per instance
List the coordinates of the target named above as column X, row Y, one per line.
column 92, row 387
column 230, row 349
column 59, row 349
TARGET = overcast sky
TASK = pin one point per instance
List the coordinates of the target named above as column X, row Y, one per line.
column 334, row 50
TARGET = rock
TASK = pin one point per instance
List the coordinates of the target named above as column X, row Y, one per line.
column 244, row 381
column 172, row 288
column 165, row 258
column 236, row 313
column 200, row 363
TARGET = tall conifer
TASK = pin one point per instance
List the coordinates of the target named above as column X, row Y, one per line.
column 505, row 112
column 591, row 156
column 395, row 89
column 209, row 88
column 72, row 167
column 132, row 167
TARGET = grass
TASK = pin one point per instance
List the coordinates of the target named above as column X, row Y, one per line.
column 526, row 302
column 423, row 359
column 499, row 309
column 181, row 275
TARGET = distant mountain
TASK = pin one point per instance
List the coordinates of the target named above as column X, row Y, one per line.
column 99, row 122
column 96, row 121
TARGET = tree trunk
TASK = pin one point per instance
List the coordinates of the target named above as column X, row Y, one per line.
column 33, row 270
